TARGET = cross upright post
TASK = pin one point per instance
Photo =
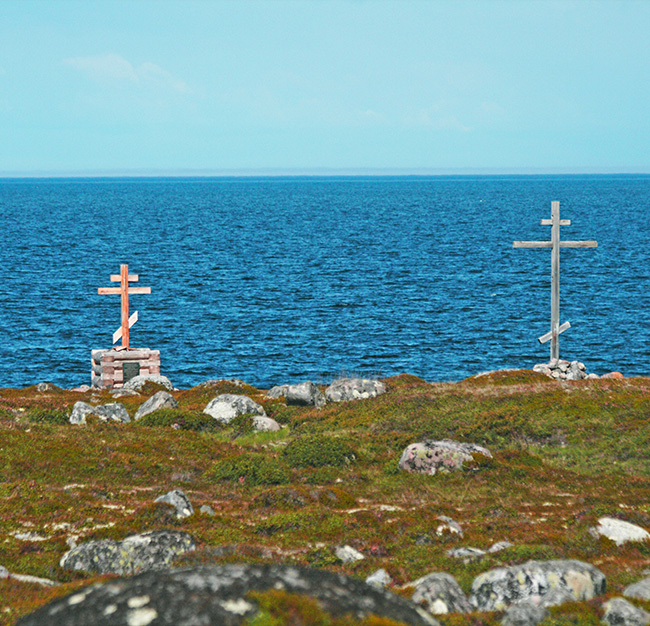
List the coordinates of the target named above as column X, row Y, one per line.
column 555, row 244
column 124, row 278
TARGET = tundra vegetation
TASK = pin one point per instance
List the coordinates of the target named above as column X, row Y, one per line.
column 564, row 454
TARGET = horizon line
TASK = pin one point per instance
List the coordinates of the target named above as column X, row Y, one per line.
column 316, row 172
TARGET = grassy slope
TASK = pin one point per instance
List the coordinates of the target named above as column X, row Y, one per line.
column 565, row 454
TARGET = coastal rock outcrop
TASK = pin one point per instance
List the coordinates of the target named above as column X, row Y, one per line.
column 218, row 595
column 346, row 389
column 153, row 550
column 159, row 400
column 548, row 582
column 430, row 457
column 227, row 406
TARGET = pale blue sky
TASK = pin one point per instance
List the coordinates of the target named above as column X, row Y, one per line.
column 219, row 86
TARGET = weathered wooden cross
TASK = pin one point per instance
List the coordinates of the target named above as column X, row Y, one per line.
column 555, row 244
column 124, row 278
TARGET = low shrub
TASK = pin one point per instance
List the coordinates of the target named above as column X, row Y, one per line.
column 47, row 415
column 318, row 451
column 183, row 420
column 251, row 469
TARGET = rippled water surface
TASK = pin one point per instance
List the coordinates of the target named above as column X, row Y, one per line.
column 288, row 279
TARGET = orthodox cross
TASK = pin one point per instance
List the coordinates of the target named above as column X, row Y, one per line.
column 124, row 278
column 555, row 244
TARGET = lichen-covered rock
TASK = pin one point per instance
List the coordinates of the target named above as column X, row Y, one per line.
column 227, row 406
column 639, row 590
column 620, row 612
column 346, row 389
column 448, row 526
column 113, row 412
column 277, row 392
column 525, row 613
column 620, row 531
column 136, row 553
column 159, row 400
column 179, row 501
column 439, row 593
column 218, row 595
column 499, row 588
column 466, row 554
column 304, row 394
column 429, row 457
column 138, row 382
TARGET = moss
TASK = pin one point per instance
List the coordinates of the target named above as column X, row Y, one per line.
column 182, row 420
column 318, row 451
column 251, row 469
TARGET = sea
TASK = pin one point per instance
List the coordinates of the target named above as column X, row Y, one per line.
column 286, row 279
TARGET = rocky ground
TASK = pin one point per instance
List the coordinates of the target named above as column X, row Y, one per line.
column 512, row 497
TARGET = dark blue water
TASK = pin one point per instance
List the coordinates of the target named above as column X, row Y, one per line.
column 287, row 279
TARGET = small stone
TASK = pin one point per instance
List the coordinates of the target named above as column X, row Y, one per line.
column 45, row 387
column 179, row 501
column 466, row 554
column 620, row 531
column 206, row 509
column 448, row 526
column 616, row 375
column 592, row 376
column 4, row 572
column 379, row 579
column 500, row 545
column 81, row 388
column 348, row 554
column 620, row 612
column 112, row 412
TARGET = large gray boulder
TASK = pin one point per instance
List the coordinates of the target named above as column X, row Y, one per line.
column 304, row 394
column 439, row 593
column 179, row 501
column 639, row 590
column 524, row 614
column 620, row 612
column 218, row 595
column 227, row 406
column 430, row 457
column 106, row 412
column 153, row 550
column 276, row 392
column 138, row 382
column 346, row 389
column 620, row 531
column 546, row 582
column 159, row 400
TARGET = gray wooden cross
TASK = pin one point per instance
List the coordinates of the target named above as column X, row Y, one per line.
column 555, row 244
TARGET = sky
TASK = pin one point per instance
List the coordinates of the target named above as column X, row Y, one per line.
column 349, row 86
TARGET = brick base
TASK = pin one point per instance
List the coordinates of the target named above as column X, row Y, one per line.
column 108, row 365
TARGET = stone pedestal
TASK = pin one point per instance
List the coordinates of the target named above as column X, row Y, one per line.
column 112, row 368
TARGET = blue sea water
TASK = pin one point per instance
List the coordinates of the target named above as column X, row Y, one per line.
column 276, row 280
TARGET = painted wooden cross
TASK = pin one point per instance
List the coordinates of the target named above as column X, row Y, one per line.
column 124, row 278
column 555, row 244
